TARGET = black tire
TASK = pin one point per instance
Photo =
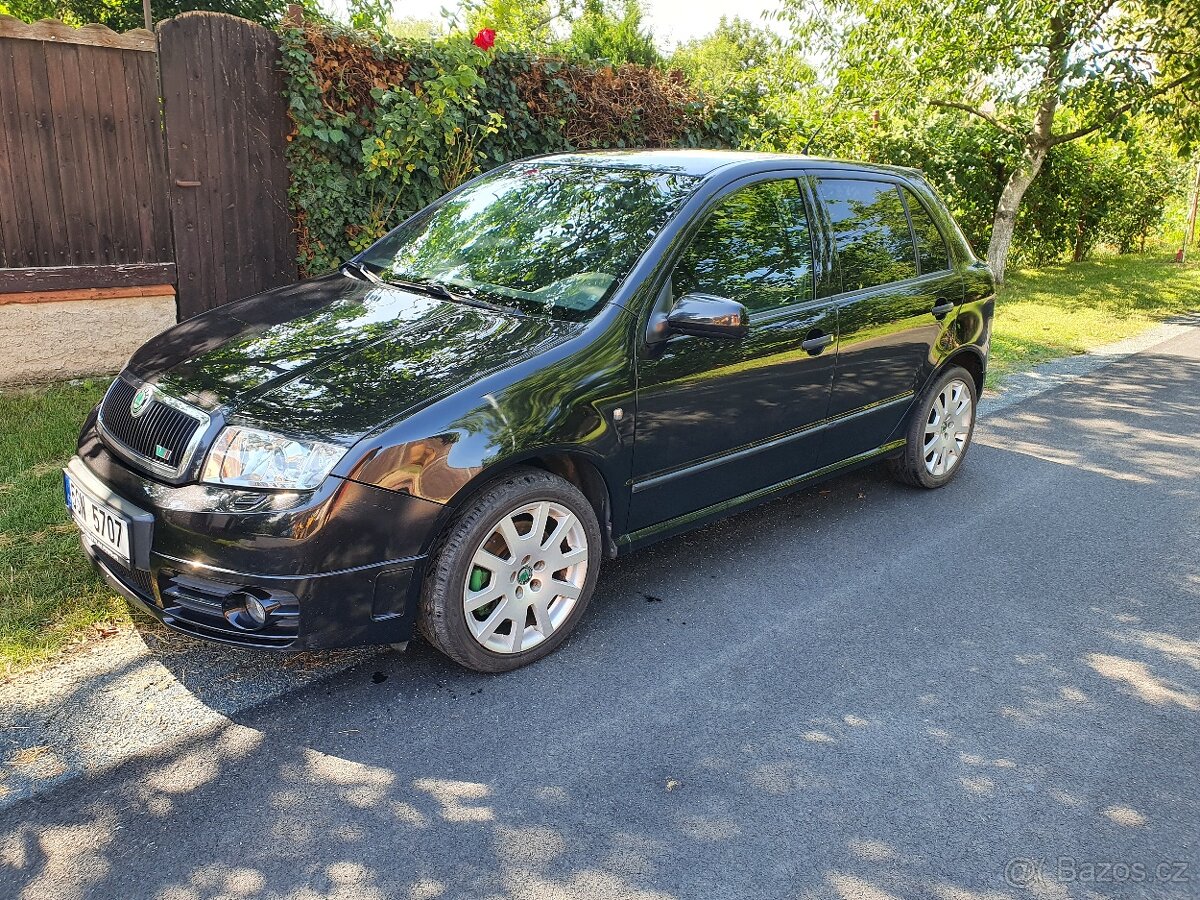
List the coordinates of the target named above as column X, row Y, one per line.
column 442, row 617
column 909, row 465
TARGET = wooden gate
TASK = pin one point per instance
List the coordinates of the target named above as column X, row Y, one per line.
column 226, row 127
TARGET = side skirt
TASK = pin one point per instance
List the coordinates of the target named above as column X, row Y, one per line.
column 689, row 521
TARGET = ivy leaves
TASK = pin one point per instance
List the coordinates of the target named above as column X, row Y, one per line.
column 382, row 129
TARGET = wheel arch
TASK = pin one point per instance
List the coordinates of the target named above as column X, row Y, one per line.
column 969, row 358
column 572, row 466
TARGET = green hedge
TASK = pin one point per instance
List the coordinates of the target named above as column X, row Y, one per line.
column 380, row 130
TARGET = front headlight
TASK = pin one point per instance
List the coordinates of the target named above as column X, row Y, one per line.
column 247, row 457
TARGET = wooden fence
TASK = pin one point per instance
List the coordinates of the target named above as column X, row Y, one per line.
column 109, row 176
column 82, row 165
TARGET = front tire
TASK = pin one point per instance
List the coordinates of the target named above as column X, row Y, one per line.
column 513, row 573
column 939, row 431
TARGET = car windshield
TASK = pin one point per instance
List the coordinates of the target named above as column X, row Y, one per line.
column 542, row 237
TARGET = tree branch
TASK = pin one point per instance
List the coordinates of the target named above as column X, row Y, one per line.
column 986, row 116
column 1100, row 13
column 1057, row 139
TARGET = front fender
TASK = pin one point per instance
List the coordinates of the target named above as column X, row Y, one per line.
column 561, row 402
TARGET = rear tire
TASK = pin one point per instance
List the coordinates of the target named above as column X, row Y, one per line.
column 939, row 431
column 513, row 573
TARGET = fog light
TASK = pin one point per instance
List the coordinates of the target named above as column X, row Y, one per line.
column 255, row 611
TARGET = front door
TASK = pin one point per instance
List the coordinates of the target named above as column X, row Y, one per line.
column 895, row 305
column 718, row 418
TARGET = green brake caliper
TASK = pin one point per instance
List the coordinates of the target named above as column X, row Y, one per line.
column 479, row 578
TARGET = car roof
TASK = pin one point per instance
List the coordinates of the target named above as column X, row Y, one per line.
column 703, row 163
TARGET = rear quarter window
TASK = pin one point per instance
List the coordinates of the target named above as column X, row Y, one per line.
column 931, row 245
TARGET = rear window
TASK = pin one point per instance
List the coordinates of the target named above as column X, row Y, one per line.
column 870, row 227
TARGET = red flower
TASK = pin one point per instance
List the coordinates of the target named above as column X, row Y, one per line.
column 485, row 39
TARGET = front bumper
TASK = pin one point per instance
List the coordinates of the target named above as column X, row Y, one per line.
column 340, row 566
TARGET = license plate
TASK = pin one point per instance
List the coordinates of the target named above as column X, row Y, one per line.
column 101, row 525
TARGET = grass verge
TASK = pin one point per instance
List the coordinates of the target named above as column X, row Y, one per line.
column 49, row 596
column 1063, row 310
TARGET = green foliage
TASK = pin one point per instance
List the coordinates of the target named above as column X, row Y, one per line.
column 426, row 140
column 1041, row 72
column 370, row 14
column 382, row 129
column 612, row 34
column 736, row 52
column 122, row 15
column 764, row 90
column 519, row 24
column 1097, row 190
column 1092, row 58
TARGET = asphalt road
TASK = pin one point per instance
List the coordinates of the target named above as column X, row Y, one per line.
column 861, row 691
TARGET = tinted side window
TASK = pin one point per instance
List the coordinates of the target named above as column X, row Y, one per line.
column 754, row 247
column 931, row 246
column 873, row 241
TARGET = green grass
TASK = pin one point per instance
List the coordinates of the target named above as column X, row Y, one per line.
column 49, row 596
column 1062, row 310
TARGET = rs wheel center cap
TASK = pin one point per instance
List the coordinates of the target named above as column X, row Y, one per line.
column 525, row 575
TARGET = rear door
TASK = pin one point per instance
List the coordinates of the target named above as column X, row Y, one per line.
column 894, row 304
column 718, row 418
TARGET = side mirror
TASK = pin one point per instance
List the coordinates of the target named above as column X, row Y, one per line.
column 704, row 315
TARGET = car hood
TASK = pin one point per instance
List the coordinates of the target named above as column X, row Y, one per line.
column 333, row 358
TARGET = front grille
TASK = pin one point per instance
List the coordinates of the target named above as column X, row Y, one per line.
column 161, row 435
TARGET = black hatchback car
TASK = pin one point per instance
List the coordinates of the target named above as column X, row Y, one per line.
column 561, row 360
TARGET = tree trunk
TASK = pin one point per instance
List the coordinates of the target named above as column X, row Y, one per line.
column 1006, row 210
column 1037, row 145
column 1080, row 250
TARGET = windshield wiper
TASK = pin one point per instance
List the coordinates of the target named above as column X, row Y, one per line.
column 360, row 271
column 432, row 288
column 465, row 296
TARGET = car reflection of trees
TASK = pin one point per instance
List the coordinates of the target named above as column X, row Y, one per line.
column 540, row 225
column 211, row 330
column 279, row 334
column 354, row 393
column 873, row 240
column 560, row 402
column 752, row 248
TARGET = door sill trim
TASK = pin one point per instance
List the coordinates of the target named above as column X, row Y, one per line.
column 780, row 440
column 727, row 506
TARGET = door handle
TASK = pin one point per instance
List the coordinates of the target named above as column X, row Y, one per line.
column 942, row 309
column 181, row 183
column 816, row 343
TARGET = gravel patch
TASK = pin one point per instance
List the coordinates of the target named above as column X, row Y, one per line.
column 1020, row 386
column 138, row 692
column 147, row 689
